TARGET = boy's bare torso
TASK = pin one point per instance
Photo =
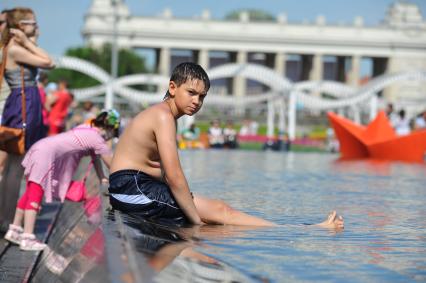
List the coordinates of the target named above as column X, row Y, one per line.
column 138, row 148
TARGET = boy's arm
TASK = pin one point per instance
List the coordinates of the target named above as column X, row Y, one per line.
column 107, row 159
column 165, row 134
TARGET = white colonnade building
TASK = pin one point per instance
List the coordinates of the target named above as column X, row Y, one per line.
column 305, row 51
column 306, row 58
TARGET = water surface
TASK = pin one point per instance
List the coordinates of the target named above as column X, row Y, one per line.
column 383, row 205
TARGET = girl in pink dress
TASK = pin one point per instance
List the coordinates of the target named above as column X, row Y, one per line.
column 49, row 166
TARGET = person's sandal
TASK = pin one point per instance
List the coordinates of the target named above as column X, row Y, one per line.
column 14, row 234
column 29, row 242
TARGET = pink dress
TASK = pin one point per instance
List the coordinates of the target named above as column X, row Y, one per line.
column 52, row 161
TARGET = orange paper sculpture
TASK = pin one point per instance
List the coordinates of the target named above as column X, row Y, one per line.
column 377, row 140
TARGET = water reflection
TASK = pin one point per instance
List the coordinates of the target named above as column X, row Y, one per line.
column 76, row 247
column 173, row 252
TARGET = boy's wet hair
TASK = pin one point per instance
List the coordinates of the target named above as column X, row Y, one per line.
column 189, row 71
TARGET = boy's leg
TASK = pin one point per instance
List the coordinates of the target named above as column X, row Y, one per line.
column 333, row 221
column 213, row 211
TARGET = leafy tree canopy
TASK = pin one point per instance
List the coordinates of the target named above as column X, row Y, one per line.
column 254, row 15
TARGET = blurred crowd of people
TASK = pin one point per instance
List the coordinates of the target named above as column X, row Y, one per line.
column 222, row 137
column 229, row 136
column 402, row 124
column 217, row 136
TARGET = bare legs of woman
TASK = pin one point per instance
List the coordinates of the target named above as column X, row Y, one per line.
column 214, row 211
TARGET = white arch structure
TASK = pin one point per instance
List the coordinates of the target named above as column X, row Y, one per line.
column 282, row 91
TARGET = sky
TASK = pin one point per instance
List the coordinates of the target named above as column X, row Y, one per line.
column 61, row 21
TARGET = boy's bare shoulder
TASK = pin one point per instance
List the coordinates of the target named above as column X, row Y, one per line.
column 152, row 116
column 158, row 112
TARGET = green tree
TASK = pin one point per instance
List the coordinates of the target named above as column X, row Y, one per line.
column 129, row 63
column 254, row 15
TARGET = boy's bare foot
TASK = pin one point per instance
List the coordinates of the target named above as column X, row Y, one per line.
column 333, row 221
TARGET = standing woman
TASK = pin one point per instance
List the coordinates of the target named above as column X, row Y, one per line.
column 4, row 89
column 21, row 52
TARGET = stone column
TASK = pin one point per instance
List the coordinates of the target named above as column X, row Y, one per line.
column 396, row 91
column 239, row 84
column 281, row 115
column 292, row 116
column 353, row 75
column 270, row 119
column 164, row 62
column 164, row 66
column 203, row 58
column 279, row 64
column 316, row 73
